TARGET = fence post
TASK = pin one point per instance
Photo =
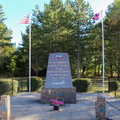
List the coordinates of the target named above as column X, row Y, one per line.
column 108, row 84
column 115, row 87
column 0, row 108
column 5, row 107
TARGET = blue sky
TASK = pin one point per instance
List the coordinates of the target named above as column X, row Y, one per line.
column 15, row 9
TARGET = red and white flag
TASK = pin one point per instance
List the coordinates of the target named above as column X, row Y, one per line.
column 25, row 19
column 96, row 16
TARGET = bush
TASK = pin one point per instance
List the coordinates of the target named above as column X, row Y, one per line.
column 82, row 84
column 113, row 86
column 6, row 87
column 36, row 83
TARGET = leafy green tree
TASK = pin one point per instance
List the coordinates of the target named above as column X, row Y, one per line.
column 68, row 28
column 60, row 28
column 82, row 14
column 12, row 67
column 6, row 47
column 113, row 23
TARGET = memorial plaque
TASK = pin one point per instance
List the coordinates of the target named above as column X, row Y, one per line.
column 58, row 71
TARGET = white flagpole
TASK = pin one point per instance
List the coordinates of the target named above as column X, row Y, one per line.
column 30, row 55
column 103, row 66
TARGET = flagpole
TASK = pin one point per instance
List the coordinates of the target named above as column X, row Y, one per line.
column 30, row 55
column 103, row 66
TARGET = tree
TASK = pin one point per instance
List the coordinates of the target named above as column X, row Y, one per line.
column 12, row 67
column 113, row 22
column 68, row 28
column 82, row 13
column 60, row 28
column 6, row 47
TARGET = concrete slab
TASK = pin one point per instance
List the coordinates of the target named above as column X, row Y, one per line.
column 27, row 106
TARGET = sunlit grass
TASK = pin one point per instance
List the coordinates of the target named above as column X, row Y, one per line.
column 97, row 87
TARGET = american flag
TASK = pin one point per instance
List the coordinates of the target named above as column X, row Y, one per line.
column 96, row 16
column 25, row 19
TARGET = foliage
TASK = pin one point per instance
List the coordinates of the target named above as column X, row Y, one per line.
column 65, row 28
column 113, row 86
column 113, row 36
column 6, row 47
column 36, row 84
column 4, row 87
column 82, row 84
column 12, row 67
column 59, row 28
column 7, row 88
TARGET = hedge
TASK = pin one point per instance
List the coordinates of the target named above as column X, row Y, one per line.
column 36, row 83
column 113, row 86
column 6, row 87
column 82, row 84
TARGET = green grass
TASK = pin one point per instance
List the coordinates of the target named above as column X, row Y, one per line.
column 97, row 87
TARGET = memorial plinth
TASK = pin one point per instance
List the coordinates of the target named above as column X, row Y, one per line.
column 58, row 79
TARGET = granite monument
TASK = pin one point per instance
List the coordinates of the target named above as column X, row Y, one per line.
column 58, row 79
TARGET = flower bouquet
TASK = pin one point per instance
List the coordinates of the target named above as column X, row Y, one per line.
column 56, row 103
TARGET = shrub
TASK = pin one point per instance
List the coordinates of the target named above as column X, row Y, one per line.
column 113, row 86
column 82, row 84
column 36, row 84
column 6, row 87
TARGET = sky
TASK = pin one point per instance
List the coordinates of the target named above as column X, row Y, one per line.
column 14, row 10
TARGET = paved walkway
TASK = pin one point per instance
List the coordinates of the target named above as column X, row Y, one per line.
column 27, row 106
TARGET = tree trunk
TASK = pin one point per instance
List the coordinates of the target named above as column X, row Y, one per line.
column 95, row 66
column 36, row 65
column 111, row 70
column 78, row 60
column 99, row 68
column 119, row 68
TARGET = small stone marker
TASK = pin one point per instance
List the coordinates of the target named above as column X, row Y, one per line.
column 100, row 108
column 5, row 107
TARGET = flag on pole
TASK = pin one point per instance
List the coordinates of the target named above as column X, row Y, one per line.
column 96, row 16
column 25, row 19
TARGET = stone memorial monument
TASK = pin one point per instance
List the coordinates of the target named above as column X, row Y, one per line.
column 58, row 80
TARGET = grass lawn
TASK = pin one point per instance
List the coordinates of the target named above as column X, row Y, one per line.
column 97, row 87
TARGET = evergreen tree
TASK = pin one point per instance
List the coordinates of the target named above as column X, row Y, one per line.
column 6, row 47
column 113, row 37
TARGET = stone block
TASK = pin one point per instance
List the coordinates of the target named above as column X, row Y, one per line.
column 101, row 108
column 5, row 107
column 68, row 95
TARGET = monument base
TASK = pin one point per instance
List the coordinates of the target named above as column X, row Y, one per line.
column 68, row 95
